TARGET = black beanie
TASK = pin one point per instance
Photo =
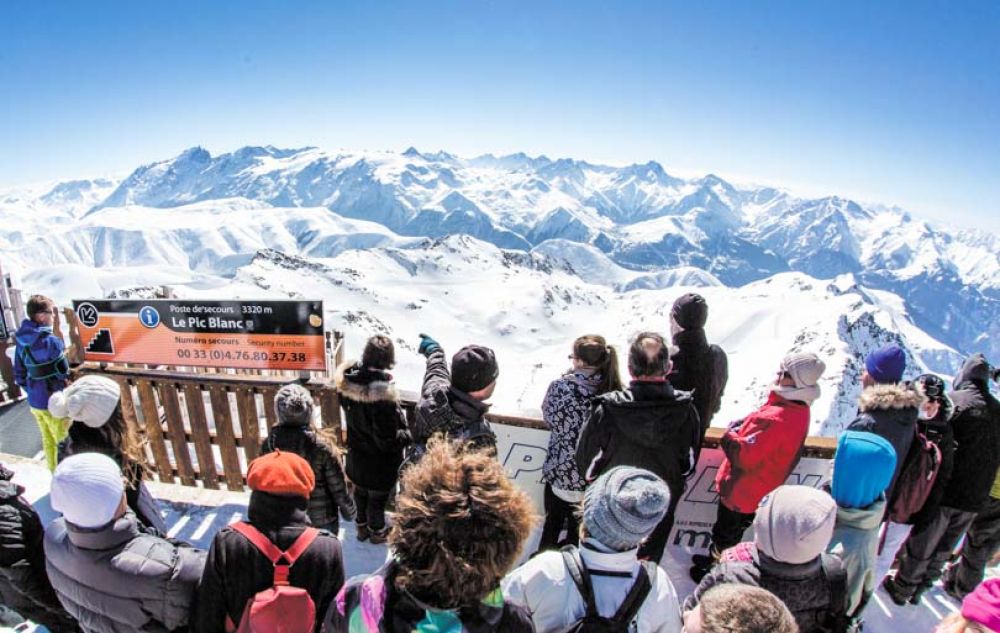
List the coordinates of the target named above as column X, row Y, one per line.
column 690, row 311
column 473, row 367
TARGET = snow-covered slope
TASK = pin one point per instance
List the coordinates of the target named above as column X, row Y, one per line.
column 529, row 307
column 555, row 248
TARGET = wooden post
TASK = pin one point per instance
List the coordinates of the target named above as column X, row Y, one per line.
column 74, row 353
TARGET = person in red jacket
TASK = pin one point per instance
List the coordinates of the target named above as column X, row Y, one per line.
column 761, row 451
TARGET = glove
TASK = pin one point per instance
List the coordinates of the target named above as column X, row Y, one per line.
column 428, row 345
column 403, row 438
column 349, row 514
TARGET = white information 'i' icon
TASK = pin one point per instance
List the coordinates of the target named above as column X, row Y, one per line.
column 149, row 317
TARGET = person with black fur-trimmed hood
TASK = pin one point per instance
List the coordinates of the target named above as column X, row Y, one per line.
column 888, row 406
column 295, row 433
column 376, row 433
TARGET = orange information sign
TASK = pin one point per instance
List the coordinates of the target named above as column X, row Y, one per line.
column 239, row 333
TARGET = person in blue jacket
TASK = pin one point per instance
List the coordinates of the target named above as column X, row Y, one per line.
column 41, row 369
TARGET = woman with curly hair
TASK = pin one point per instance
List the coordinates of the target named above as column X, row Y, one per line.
column 93, row 403
column 458, row 528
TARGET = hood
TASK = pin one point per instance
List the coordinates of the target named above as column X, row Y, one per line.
column 974, row 370
column 894, row 396
column 269, row 512
column 691, row 340
column 30, row 332
column 10, row 490
column 368, row 596
column 588, row 379
column 865, row 519
column 363, row 384
column 108, row 537
column 642, row 411
column 862, row 469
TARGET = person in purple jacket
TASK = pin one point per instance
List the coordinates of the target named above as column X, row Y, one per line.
column 41, row 369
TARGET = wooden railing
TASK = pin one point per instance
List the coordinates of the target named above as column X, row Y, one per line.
column 203, row 429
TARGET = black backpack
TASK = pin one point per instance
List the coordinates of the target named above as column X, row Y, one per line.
column 592, row 621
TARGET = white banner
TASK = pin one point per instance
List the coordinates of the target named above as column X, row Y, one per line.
column 522, row 452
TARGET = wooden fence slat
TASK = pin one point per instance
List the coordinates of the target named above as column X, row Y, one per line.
column 223, row 417
column 128, row 406
column 246, row 405
column 330, row 409
column 199, row 430
column 175, row 429
column 272, row 417
column 154, row 432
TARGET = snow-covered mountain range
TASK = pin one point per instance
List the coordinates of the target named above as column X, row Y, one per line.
column 554, row 248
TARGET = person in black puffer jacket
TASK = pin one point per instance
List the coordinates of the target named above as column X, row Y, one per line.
column 376, row 433
column 236, row 569
column 698, row 367
column 976, row 425
column 649, row 425
column 24, row 583
column 294, row 433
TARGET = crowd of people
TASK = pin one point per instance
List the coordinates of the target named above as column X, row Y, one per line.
column 618, row 463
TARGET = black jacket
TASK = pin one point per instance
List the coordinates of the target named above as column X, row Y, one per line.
column 376, row 426
column 444, row 409
column 976, row 425
column 236, row 570
column 649, row 425
column 703, row 370
column 24, row 583
column 330, row 492
column 890, row 411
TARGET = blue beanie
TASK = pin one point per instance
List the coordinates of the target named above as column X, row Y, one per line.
column 862, row 468
column 623, row 506
column 886, row 364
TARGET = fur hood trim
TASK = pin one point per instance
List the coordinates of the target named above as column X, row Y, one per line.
column 374, row 391
column 895, row 396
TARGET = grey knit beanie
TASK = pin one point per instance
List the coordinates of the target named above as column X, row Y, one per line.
column 794, row 524
column 623, row 506
column 294, row 405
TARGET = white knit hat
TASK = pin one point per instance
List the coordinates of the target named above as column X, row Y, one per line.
column 91, row 400
column 87, row 489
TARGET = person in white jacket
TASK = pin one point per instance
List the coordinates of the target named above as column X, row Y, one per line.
column 620, row 509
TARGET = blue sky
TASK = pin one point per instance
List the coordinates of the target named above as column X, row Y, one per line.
column 890, row 101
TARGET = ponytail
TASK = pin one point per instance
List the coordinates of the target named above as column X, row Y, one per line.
column 595, row 352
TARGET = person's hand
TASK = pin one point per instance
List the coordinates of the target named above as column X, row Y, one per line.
column 428, row 345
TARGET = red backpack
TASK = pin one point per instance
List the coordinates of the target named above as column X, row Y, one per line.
column 281, row 608
column 916, row 478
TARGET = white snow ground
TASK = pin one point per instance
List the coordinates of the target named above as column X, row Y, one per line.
column 195, row 515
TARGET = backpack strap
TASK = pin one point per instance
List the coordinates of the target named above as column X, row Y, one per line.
column 581, row 577
column 271, row 551
column 836, row 580
column 636, row 595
